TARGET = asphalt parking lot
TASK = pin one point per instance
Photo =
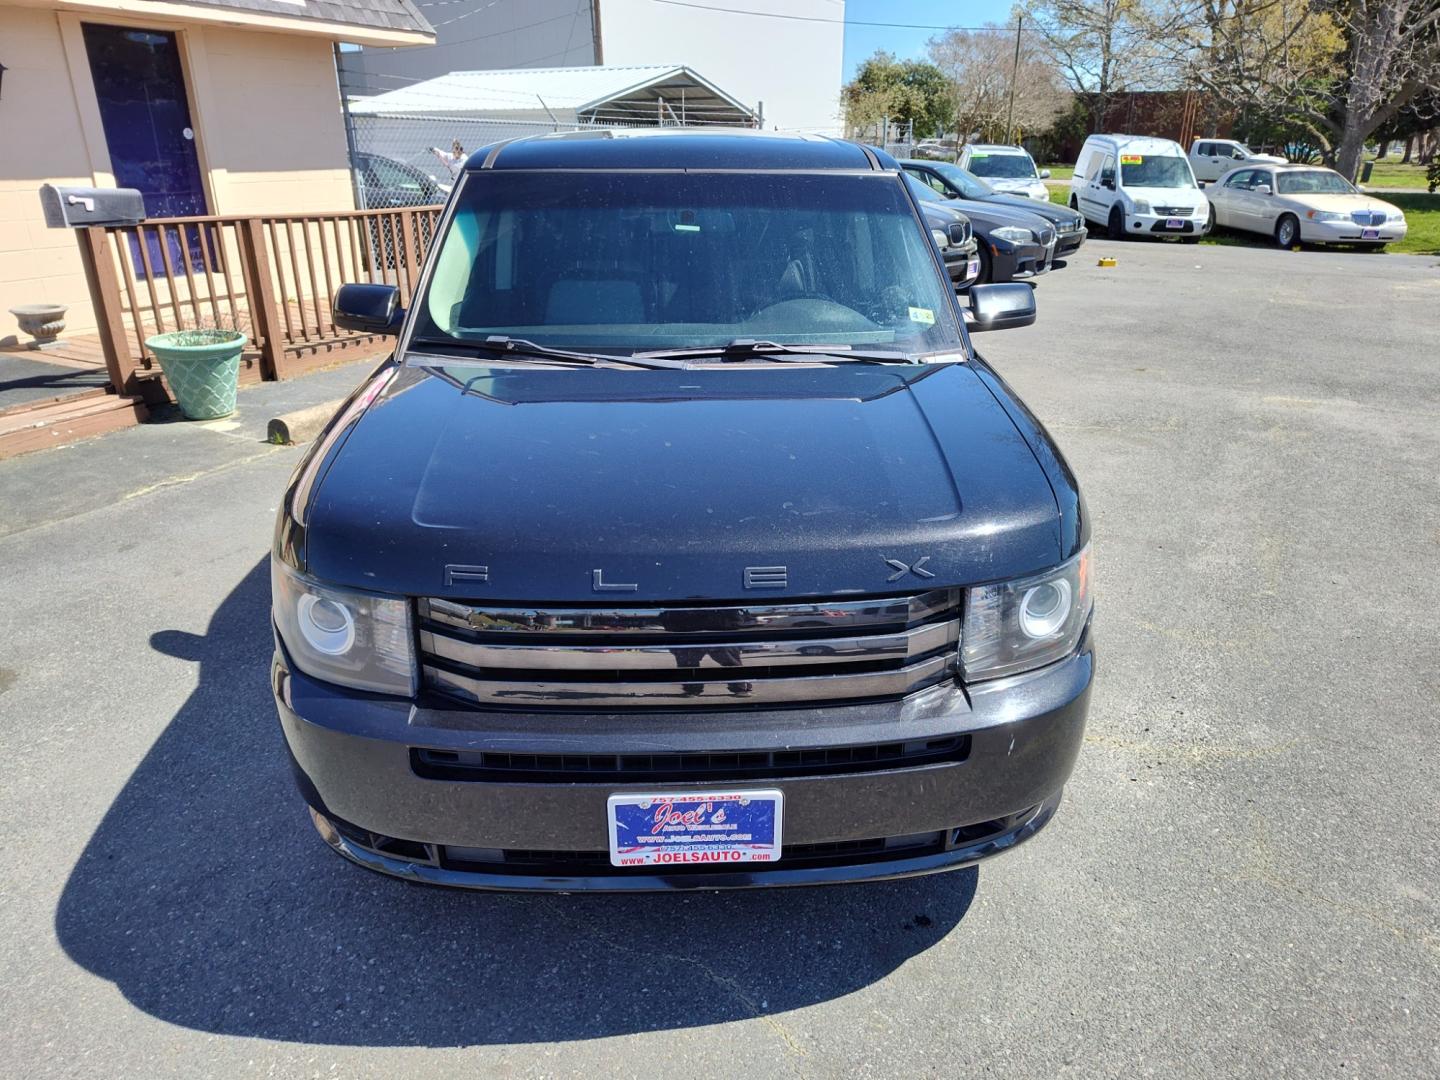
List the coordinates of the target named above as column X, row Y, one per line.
column 1244, row 879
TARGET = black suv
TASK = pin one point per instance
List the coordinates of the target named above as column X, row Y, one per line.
column 684, row 542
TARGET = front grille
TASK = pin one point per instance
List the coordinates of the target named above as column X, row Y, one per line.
column 1368, row 218
column 509, row 767
column 1174, row 211
column 1047, row 236
column 685, row 657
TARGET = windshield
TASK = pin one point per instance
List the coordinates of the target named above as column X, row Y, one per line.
column 1155, row 171
column 630, row 261
column 1312, row 182
column 1002, row 166
column 967, row 183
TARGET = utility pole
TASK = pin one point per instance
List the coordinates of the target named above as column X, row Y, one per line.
column 1014, row 78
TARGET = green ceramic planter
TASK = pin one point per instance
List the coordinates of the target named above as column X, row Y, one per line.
column 202, row 368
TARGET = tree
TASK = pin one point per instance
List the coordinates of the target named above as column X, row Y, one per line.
column 980, row 67
column 1273, row 63
column 1394, row 55
column 1102, row 47
column 903, row 91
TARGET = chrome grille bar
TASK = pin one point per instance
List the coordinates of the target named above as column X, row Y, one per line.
column 839, row 616
column 495, row 656
column 740, row 689
column 904, row 646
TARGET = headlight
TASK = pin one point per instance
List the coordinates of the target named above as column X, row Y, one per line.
column 355, row 639
column 1326, row 215
column 1395, row 215
column 940, row 238
column 1141, row 206
column 1024, row 624
column 1014, row 234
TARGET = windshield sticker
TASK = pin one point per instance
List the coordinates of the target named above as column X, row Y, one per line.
column 922, row 315
column 1132, row 159
column 687, row 228
column 979, row 153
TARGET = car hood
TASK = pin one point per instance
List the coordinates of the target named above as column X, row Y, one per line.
column 1344, row 204
column 855, row 479
column 988, row 215
column 1062, row 217
column 1014, row 185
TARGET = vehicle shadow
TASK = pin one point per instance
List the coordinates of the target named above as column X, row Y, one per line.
column 207, row 899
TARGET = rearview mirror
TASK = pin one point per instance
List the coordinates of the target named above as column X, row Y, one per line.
column 1000, row 307
column 1044, row 174
column 1262, row 189
column 370, row 309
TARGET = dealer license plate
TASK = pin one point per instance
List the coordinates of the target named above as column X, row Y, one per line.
column 695, row 828
column 972, row 268
column 1369, row 234
column 1174, row 223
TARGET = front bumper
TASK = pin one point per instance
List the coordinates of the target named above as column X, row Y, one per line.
column 1019, row 262
column 1347, row 232
column 1160, row 225
column 355, row 758
column 1066, row 244
column 962, row 263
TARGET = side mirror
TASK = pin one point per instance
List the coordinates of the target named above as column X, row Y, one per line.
column 1261, row 189
column 1000, row 307
column 951, row 194
column 957, row 233
column 1044, row 174
column 370, row 309
column 1107, row 180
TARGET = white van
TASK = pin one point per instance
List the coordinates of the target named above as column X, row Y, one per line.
column 1137, row 186
column 1008, row 169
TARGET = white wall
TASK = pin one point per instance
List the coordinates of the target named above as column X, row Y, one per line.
column 794, row 67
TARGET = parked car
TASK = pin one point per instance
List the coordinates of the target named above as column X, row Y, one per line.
column 385, row 183
column 1303, row 204
column 684, row 542
column 1210, row 159
column 1138, row 186
column 1008, row 169
column 953, row 182
column 955, row 236
column 1014, row 246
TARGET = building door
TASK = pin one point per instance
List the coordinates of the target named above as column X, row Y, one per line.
column 145, row 113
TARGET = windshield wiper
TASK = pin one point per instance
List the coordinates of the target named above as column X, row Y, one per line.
column 751, row 348
column 512, row 348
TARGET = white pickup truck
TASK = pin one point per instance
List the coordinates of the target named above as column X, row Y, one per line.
column 1211, row 159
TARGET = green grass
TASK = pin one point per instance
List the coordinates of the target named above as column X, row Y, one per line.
column 1422, row 215
column 1060, row 172
column 1393, row 174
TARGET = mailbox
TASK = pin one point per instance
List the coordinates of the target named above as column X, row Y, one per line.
column 74, row 207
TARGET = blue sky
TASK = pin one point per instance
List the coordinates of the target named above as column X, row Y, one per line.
column 861, row 41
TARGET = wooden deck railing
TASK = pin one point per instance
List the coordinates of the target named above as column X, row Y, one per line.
column 273, row 277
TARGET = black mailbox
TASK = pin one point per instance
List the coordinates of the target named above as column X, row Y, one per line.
column 73, row 207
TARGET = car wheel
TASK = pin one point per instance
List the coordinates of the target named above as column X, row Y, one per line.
column 1117, row 224
column 983, row 278
column 1210, row 220
column 1287, row 231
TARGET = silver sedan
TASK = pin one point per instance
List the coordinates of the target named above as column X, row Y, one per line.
column 1303, row 204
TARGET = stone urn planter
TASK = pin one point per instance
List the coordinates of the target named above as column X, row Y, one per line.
column 43, row 322
column 202, row 368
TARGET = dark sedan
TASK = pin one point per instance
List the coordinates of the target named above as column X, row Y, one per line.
column 952, row 182
column 1014, row 245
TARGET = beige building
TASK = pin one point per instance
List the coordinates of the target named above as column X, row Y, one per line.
column 206, row 106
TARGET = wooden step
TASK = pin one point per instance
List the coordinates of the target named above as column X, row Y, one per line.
column 56, row 422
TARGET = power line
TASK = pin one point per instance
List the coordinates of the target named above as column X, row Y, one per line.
column 823, row 19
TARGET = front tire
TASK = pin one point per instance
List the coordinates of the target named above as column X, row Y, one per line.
column 984, row 277
column 1116, row 227
column 1287, row 231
